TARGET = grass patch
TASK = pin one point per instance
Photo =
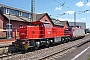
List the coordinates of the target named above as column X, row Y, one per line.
column 89, row 57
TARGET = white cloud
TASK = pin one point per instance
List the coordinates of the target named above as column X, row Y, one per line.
column 80, row 4
column 70, row 20
column 69, row 12
column 88, row 4
column 83, row 18
column 58, row 8
column 65, row 19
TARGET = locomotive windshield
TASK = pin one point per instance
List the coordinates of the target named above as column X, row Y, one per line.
column 68, row 29
column 47, row 25
column 41, row 24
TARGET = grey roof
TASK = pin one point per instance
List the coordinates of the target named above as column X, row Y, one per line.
column 39, row 16
column 56, row 22
column 13, row 17
column 18, row 18
column 63, row 22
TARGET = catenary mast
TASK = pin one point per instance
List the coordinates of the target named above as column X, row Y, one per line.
column 32, row 10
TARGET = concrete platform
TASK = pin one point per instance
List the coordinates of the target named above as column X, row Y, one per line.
column 6, row 42
column 5, row 45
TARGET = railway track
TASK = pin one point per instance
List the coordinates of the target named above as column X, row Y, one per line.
column 61, row 53
column 47, row 53
column 57, row 54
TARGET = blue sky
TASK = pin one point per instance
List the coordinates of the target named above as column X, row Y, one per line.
column 56, row 8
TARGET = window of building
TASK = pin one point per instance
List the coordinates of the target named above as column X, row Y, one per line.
column 29, row 15
column 20, row 13
column 1, row 10
column 25, row 15
column 7, row 10
column 4, row 10
column 14, row 12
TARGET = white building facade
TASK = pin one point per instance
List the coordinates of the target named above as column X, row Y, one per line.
column 81, row 24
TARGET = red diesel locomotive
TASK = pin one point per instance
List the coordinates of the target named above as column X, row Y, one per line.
column 42, row 33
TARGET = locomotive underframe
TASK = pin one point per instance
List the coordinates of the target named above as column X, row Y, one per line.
column 36, row 43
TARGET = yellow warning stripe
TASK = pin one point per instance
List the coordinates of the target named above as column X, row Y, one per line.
column 26, row 46
column 16, row 45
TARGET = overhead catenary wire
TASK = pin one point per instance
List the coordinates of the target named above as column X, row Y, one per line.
column 67, row 7
column 63, row 5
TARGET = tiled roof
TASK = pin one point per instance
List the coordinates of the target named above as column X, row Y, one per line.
column 13, row 17
column 63, row 22
column 17, row 18
column 58, row 22
column 39, row 16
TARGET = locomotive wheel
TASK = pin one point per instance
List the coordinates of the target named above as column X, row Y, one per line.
column 62, row 40
column 37, row 44
column 47, row 43
column 36, row 47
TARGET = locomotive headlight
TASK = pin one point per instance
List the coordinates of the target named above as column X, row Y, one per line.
column 23, row 42
column 51, row 40
column 26, row 37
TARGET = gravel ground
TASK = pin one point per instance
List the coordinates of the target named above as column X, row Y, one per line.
column 39, row 54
